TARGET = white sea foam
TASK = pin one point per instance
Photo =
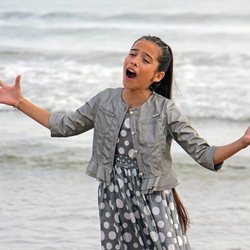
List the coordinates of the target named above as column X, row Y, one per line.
column 69, row 50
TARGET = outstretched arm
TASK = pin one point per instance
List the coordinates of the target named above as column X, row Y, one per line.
column 226, row 151
column 12, row 95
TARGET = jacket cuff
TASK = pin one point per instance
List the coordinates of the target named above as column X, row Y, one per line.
column 212, row 166
column 53, row 124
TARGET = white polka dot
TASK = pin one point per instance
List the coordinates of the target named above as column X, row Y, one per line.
column 119, row 203
column 111, row 205
column 123, row 133
column 138, row 193
column 155, row 210
column 127, row 237
column 116, row 218
column 137, row 215
column 176, row 226
column 119, row 171
column 162, row 237
column 112, row 235
column 111, row 188
column 106, row 224
column 158, row 198
column 160, row 224
column 130, row 186
column 107, row 214
column 102, row 205
column 126, row 216
column 175, row 240
column 149, row 242
column 127, row 123
column 135, row 245
column 129, row 173
column 132, row 217
column 128, row 193
column 121, row 150
column 102, row 235
column 120, row 183
column 165, row 203
column 171, row 205
column 117, row 247
column 180, row 240
column 171, row 247
column 154, row 236
column 131, row 153
column 147, row 210
column 126, row 143
column 169, row 234
column 116, row 189
column 109, row 246
column 185, row 239
column 134, row 172
column 134, row 201
column 177, row 218
column 125, row 225
column 140, row 240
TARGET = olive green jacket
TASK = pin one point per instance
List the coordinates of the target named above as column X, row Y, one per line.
column 153, row 126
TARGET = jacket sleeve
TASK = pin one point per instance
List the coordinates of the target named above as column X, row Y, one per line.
column 188, row 138
column 73, row 123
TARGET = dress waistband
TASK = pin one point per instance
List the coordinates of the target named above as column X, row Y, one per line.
column 125, row 161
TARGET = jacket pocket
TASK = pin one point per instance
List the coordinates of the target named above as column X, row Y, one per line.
column 152, row 131
column 104, row 119
column 153, row 140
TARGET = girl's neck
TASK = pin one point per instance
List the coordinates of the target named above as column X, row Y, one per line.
column 135, row 98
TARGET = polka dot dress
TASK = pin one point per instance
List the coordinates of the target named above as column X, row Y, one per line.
column 130, row 219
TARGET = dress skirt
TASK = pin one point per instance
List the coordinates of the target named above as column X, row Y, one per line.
column 132, row 220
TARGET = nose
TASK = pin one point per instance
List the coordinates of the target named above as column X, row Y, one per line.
column 134, row 61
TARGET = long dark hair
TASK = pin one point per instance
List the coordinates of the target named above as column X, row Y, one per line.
column 182, row 213
column 164, row 87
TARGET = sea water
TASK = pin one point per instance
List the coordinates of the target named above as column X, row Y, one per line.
column 67, row 51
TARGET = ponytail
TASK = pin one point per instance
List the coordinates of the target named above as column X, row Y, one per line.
column 182, row 213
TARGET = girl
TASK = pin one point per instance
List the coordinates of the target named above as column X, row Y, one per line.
column 133, row 130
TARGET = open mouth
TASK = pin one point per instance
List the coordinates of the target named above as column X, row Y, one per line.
column 130, row 73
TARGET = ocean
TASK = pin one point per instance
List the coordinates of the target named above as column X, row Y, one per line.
column 66, row 52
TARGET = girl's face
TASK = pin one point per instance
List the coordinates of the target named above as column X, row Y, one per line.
column 140, row 66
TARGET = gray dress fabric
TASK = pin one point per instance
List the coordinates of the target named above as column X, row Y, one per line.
column 130, row 219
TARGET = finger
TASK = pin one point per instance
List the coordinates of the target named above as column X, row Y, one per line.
column 17, row 82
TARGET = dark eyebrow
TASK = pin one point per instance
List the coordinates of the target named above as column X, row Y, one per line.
column 145, row 53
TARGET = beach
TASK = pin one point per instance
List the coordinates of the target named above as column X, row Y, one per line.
column 66, row 53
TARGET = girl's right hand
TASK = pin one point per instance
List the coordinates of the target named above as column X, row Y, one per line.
column 10, row 94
